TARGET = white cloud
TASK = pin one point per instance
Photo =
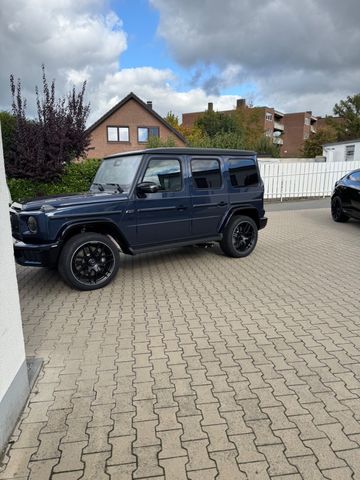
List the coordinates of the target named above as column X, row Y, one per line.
column 77, row 41
column 155, row 85
column 296, row 57
column 74, row 39
column 294, row 51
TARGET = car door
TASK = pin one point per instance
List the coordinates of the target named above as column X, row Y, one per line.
column 209, row 196
column 354, row 193
column 244, row 182
column 163, row 217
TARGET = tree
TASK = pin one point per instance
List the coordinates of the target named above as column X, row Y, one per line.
column 349, row 111
column 265, row 145
column 195, row 137
column 173, row 120
column 156, row 142
column 8, row 126
column 313, row 145
column 212, row 123
column 42, row 147
column 250, row 121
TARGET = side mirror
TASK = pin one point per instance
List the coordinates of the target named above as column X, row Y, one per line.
column 147, row 187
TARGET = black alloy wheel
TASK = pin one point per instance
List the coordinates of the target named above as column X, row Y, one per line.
column 92, row 263
column 89, row 261
column 240, row 237
column 337, row 212
column 243, row 236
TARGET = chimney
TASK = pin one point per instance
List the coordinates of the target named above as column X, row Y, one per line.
column 149, row 104
column 210, row 107
column 240, row 103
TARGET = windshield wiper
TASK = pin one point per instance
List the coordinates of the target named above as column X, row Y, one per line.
column 119, row 189
column 100, row 187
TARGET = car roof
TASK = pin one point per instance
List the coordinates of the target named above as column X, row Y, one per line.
column 186, row 151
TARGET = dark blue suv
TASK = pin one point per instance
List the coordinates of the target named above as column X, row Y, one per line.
column 139, row 202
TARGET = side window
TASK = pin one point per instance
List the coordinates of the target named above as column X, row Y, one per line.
column 355, row 177
column 165, row 173
column 206, row 173
column 243, row 172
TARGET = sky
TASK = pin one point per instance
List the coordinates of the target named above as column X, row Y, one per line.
column 288, row 54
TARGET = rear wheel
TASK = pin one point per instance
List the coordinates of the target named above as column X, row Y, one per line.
column 89, row 261
column 337, row 211
column 240, row 237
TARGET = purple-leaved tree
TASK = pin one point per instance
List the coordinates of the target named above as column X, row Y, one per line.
column 42, row 147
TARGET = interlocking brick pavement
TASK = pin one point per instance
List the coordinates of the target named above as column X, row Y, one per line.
column 191, row 365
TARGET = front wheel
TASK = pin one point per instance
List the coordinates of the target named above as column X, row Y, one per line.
column 337, row 212
column 88, row 261
column 240, row 237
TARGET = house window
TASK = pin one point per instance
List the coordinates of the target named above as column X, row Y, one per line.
column 117, row 134
column 306, row 135
column 206, row 173
column 307, row 121
column 349, row 153
column 144, row 133
column 269, row 116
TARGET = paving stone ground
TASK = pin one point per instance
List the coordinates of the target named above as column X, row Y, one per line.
column 191, row 365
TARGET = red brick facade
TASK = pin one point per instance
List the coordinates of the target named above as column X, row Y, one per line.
column 133, row 113
column 270, row 120
column 288, row 130
column 298, row 128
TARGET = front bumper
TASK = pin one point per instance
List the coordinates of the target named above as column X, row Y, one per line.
column 36, row 255
column 263, row 222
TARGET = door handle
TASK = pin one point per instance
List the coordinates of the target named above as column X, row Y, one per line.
column 181, row 207
column 222, row 204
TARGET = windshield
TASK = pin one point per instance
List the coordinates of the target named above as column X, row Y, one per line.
column 116, row 174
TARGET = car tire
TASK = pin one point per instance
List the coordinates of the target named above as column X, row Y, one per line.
column 337, row 211
column 89, row 261
column 239, row 237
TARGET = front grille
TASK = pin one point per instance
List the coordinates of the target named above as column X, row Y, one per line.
column 14, row 219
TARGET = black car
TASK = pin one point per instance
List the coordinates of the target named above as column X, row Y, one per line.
column 345, row 200
column 139, row 202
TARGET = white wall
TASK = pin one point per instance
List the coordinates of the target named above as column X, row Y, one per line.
column 295, row 180
column 12, row 351
column 336, row 152
column 285, row 160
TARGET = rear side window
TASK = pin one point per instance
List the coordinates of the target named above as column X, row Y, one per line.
column 243, row 172
column 206, row 173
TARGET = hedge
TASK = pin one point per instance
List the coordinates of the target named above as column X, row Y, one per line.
column 77, row 177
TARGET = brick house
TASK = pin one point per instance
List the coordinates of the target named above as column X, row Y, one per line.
column 269, row 119
column 288, row 130
column 298, row 127
column 128, row 126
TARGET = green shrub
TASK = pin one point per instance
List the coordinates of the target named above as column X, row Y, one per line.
column 77, row 177
column 156, row 142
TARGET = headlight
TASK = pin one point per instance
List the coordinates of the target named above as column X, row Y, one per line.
column 32, row 224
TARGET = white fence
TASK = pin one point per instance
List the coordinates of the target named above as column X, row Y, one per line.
column 292, row 180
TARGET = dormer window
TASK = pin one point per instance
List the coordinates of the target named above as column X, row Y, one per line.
column 117, row 134
column 144, row 133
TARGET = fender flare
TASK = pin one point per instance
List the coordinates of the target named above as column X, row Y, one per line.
column 114, row 233
column 238, row 210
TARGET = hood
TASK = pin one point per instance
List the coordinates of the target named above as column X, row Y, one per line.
column 72, row 199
